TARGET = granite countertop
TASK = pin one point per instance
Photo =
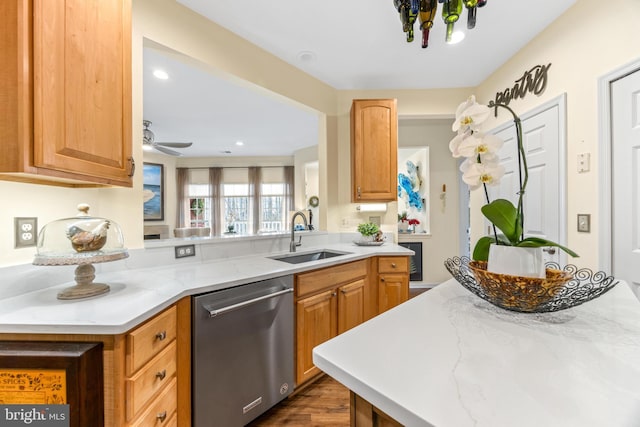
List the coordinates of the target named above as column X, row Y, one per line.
column 138, row 294
column 449, row 358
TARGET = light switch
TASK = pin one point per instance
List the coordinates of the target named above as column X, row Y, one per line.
column 584, row 162
column 584, row 223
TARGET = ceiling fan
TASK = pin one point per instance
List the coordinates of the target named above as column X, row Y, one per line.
column 148, row 141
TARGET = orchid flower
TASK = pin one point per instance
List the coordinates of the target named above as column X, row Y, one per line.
column 478, row 144
column 470, row 115
column 482, row 168
column 475, row 174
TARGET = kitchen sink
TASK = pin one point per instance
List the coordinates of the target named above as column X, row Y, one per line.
column 298, row 258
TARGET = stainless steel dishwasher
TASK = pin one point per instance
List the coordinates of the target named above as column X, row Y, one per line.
column 242, row 352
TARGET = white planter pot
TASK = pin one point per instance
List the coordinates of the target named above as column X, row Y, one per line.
column 403, row 226
column 526, row 262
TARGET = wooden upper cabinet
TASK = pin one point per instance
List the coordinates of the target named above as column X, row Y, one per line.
column 67, row 117
column 374, row 150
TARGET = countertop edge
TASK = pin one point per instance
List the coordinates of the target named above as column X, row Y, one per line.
column 21, row 317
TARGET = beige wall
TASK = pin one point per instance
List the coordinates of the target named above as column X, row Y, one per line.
column 443, row 217
column 581, row 45
column 585, row 43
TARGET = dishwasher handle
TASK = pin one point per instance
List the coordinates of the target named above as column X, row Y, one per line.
column 227, row 309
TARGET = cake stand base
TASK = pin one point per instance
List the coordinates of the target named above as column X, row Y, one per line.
column 84, row 287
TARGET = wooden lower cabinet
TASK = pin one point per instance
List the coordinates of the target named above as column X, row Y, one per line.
column 364, row 414
column 393, row 289
column 146, row 371
column 351, row 305
column 333, row 300
column 393, row 282
column 329, row 302
column 316, row 323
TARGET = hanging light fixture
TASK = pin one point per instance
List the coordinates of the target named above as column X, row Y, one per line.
column 425, row 12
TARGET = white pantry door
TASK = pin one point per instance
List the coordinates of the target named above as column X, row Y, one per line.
column 625, row 142
column 543, row 140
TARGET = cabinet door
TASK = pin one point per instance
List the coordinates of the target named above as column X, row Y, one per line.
column 393, row 289
column 351, row 305
column 374, row 150
column 82, row 88
column 316, row 323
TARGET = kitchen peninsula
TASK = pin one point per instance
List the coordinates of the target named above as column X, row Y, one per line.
column 144, row 323
column 448, row 358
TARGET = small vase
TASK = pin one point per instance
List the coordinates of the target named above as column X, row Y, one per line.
column 516, row 261
column 403, row 227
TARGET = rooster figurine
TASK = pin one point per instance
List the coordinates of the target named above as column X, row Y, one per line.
column 84, row 241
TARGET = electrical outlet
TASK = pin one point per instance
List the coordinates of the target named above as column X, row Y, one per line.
column 185, row 251
column 26, row 232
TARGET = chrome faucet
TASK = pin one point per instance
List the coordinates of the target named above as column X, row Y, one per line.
column 293, row 244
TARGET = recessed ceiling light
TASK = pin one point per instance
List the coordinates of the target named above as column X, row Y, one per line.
column 239, row 143
column 306, row 56
column 456, row 37
column 160, row 74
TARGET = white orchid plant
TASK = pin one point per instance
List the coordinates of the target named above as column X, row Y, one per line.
column 482, row 168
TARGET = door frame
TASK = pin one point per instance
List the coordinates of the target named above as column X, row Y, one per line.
column 561, row 102
column 605, row 148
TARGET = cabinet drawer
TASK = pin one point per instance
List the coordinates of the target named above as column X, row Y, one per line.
column 149, row 339
column 394, row 264
column 150, row 379
column 314, row 281
column 162, row 410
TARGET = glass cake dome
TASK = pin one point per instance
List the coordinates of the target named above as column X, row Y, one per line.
column 81, row 240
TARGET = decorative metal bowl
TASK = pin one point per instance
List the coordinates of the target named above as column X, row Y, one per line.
column 562, row 288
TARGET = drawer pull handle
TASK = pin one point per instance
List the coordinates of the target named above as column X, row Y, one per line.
column 162, row 416
column 333, row 294
column 393, row 265
column 161, row 374
column 160, row 336
column 382, row 279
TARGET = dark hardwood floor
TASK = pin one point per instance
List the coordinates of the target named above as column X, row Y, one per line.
column 323, row 403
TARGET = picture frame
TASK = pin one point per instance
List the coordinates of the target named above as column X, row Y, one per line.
column 153, row 191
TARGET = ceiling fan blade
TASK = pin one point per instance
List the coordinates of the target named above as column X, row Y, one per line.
column 167, row 150
column 175, row 144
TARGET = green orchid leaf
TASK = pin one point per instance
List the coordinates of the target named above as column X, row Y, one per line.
column 504, row 215
column 536, row 242
column 481, row 250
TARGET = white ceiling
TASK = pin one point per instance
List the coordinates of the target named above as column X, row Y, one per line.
column 354, row 44
column 194, row 105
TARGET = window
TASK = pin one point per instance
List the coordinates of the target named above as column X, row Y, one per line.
column 273, row 213
column 241, row 207
column 199, row 199
column 236, row 208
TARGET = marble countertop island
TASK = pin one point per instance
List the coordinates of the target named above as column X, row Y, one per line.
column 450, row 359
